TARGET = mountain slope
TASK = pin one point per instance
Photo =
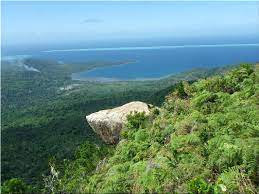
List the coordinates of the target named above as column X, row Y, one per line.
column 43, row 113
column 204, row 139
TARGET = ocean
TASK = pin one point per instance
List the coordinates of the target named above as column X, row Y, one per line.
column 157, row 61
column 152, row 62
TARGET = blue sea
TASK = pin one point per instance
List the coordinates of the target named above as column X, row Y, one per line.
column 152, row 62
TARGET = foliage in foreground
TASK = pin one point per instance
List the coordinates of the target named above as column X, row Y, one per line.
column 204, row 139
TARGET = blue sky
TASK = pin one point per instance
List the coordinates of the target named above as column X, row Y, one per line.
column 66, row 22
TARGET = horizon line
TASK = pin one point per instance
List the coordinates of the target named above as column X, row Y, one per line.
column 150, row 47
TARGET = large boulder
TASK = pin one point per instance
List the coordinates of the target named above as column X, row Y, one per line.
column 108, row 123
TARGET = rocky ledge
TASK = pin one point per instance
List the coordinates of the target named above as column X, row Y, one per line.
column 108, row 123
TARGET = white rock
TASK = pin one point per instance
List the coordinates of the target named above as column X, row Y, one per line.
column 108, row 123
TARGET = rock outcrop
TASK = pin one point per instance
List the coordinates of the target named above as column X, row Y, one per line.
column 108, row 123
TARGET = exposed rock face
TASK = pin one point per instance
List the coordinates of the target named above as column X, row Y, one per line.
column 108, row 123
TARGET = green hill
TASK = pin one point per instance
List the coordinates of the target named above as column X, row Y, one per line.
column 204, row 139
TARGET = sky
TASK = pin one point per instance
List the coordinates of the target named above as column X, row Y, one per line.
column 46, row 22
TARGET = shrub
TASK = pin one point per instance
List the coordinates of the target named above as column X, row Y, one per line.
column 136, row 120
column 199, row 186
column 15, row 185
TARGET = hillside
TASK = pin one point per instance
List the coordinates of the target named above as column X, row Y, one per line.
column 204, row 139
column 43, row 113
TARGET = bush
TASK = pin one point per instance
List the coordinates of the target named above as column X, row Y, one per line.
column 199, row 186
column 136, row 120
column 15, row 185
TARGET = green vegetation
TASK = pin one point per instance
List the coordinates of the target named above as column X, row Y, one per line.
column 204, row 139
column 15, row 185
column 43, row 113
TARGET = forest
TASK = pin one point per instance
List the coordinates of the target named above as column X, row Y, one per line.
column 44, row 126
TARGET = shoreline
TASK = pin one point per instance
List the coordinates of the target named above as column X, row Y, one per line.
column 110, row 80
